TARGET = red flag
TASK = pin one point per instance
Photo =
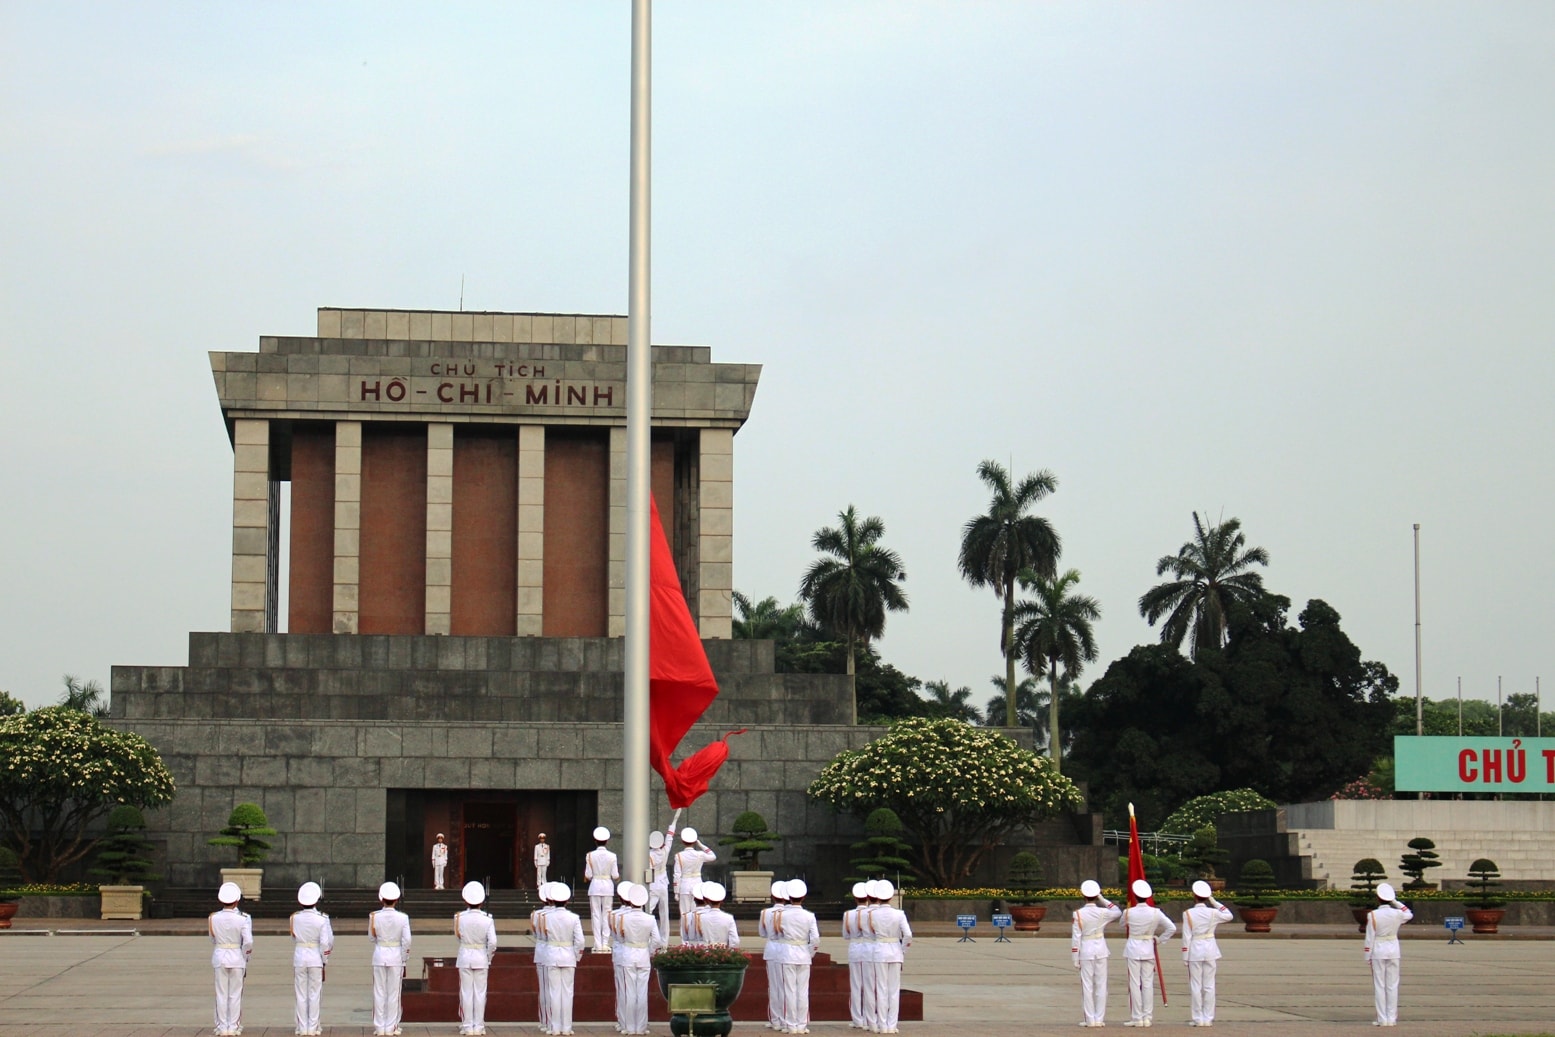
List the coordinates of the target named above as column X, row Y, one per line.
column 680, row 679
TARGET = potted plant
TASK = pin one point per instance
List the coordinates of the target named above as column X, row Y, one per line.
column 1483, row 910
column 10, row 875
column 1421, row 858
column 124, row 864
column 750, row 839
column 246, row 831
column 1204, row 854
column 883, row 850
column 1025, row 878
column 722, row 968
column 1364, row 877
column 1254, row 883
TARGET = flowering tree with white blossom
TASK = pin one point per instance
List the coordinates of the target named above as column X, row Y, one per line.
column 959, row 790
column 61, row 770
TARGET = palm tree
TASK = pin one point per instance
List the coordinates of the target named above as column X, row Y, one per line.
column 1055, row 630
column 1028, row 701
column 954, row 704
column 88, row 697
column 1212, row 575
column 766, row 619
column 850, row 591
column 995, row 547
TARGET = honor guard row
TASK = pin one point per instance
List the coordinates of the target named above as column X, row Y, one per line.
column 878, row 937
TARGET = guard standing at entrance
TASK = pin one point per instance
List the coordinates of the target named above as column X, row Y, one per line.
column 602, row 870
column 439, row 861
column 542, row 860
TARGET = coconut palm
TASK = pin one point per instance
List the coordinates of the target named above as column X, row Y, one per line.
column 1028, row 706
column 1054, row 630
column 955, row 704
column 850, row 590
column 1211, row 575
column 995, row 548
column 87, row 696
column 766, row 619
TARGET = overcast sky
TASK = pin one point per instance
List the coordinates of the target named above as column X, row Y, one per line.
column 1292, row 263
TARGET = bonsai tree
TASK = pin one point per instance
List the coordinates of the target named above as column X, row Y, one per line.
column 1254, row 884
column 1025, row 878
column 1421, row 858
column 1364, row 877
column 1484, row 872
column 750, row 840
column 123, row 856
column 246, row 831
column 883, row 848
column 1204, row 853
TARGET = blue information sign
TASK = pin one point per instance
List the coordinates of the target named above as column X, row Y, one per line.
column 1453, row 924
column 966, row 922
column 1003, row 923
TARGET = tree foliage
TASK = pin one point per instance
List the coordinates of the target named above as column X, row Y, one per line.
column 62, row 769
column 957, row 705
column 246, row 832
column 958, row 789
column 1201, row 811
column 851, row 588
column 87, row 696
column 1211, row 578
column 1053, row 630
column 10, row 706
column 749, row 839
column 883, row 850
column 998, row 545
column 124, row 854
column 1291, row 712
column 767, row 620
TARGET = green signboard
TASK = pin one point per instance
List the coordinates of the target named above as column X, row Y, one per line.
column 1446, row 764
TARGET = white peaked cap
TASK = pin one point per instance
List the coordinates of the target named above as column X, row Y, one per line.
column 655, row 838
column 441, row 836
column 474, row 894
column 699, row 890
column 884, row 890
column 872, row 889
column 688, row 835
column 780, row 890
column 542, row 835
column 797, row 890
column 544, row 892
column 861, row 891
column 389, row 891
column 624, row 889
column 560, row 892
column 1201, row 889
column 1142, row 889
column 1090, row 888
column 229, row 893
column 601, row 834
column 714, row 891
column 637, row 895
column 308, row 894
column 1385, row 892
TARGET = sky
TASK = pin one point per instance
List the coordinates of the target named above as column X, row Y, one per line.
column 1290, row 263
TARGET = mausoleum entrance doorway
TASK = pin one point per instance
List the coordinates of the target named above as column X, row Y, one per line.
column 490, row 832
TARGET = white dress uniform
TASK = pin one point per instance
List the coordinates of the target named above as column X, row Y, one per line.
column 717, row 926
column 658, row 880
column 602, row 870
column 1382, row 951
column 638, row 937
column 232, row 933
column 772, row 955
column 797, row 939
column 1145, row 926
column 688, row 868
column 542, row 861
column 1201, row 953
column 858, row 931
column 312, row 940
column 559, row 944
column 389, row 930
column 439, row 862
column 476, row 932
column 1088, row 951
column 889, row 939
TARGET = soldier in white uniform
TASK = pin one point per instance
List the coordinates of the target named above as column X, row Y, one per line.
column 542, row 860
column 716, row 925
column 617, row 948
column 638, row 937
column 558, row 935
column 601, row 870
column 859, row 934
column 439, row 861
column 1146, row 925
column 476, row 932
column 1382, row 952
column 658, row 878
column 798, row 938
column 312, row 940
column 691, row 924
column 772, row 953
column 890, row 937
column 1201, row 953
column 1088, row 950
column 232, row 932
column 688, row 870
column 388, row 929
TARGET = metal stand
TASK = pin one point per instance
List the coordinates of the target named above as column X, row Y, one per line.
column 966, row 922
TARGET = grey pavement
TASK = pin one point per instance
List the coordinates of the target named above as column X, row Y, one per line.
column 93, row 982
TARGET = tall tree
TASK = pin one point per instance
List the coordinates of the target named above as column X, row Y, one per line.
column 1054, row 630
column 1211, row 577
column 851, row 589
column 87, row 696
column 957, row 705
column 995, row 547
column 766, row 619
column 1028, row 706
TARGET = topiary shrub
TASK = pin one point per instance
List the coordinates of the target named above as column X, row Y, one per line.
column 1421, row 858
column 1025, row 878
column 10, row 870
column 1484, row 872
column 1204, row 853
column 1254, row 883
column 123, row 855
column 884, row 850
column 246, row 831
column 1364, row 877
column 750, row 840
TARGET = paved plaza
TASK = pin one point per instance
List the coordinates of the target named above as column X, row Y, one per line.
column 101, row 984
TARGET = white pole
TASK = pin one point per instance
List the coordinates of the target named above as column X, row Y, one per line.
column 1419, row 702
column 1460, row 707
column 1538, row 710
column 639, row 409
column 1499, row 732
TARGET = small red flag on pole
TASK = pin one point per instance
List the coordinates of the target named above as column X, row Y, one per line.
column 1136, row 870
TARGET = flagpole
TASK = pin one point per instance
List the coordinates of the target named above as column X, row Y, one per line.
column 639, row 406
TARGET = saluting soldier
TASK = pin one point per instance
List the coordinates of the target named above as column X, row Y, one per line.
column 1088, row 950
column 688, row 870
column 439, row 860
column 1383, row 953
column 232, row 933
column 476, row 932
column 389, row 930
column 889, row 940
column 1201, row 952
column 542, row 860
column 638, row 937
column 312, row 940
column 602, row 870
column 1146, row 925
column 558, row 935
column 658, row 878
